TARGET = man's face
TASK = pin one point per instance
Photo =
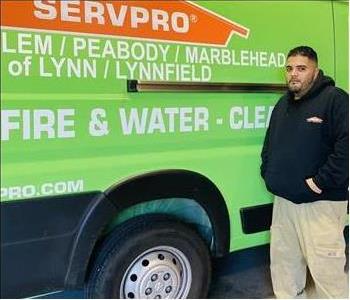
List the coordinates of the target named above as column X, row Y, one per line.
column 301, row 73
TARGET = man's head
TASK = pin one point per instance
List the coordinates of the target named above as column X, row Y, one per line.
column 301, row 70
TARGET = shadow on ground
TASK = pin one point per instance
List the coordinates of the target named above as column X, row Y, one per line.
column 242, row 274
column 245, row 274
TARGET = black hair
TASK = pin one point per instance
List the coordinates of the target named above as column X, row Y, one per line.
column 304, row 51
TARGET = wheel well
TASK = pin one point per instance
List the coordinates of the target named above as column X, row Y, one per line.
column 189, row 191
column 185, row 210
column 177, row 184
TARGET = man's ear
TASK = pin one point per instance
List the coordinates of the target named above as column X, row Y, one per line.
column 316, row 73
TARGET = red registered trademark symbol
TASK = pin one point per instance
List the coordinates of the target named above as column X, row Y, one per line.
column 193, row 18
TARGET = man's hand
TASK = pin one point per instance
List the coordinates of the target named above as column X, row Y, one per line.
column 313, row 186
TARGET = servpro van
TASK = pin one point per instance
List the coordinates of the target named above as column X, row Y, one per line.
column 131, row 134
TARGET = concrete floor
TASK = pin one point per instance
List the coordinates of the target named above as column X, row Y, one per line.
column 243, row 274
column 246, row 274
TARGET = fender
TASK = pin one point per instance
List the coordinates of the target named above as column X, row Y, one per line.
column 169, row 184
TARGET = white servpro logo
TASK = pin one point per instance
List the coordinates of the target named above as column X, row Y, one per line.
column 45, row 189
column 105, row 13
column 174, row 21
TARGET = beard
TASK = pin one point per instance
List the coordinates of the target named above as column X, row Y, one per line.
column 294, row 86
column 299, row 87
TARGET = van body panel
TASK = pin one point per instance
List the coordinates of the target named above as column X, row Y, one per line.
column 341, row 9
column 70, row 126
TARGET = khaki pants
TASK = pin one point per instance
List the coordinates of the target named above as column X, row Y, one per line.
column 308, row 235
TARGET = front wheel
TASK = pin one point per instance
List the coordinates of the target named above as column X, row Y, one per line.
column 154, row 257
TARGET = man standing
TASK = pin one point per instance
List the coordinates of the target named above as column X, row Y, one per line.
column 305, row 165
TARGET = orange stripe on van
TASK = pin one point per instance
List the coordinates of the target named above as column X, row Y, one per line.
column 179, row 21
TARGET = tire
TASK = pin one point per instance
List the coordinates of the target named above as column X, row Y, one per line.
column 151, row 256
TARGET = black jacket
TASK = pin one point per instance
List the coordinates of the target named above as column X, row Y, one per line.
column 309, row 138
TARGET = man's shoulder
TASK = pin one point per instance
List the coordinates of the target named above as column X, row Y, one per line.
column 335, row 99
column 280, row 105
column 283, row 99
column 337, row 93
column 341, row 93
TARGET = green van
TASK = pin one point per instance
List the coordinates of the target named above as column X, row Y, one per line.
column 131, row 134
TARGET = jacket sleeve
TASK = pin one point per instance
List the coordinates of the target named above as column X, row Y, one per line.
column 335, row 172
column 264, row 153
column 265, row 149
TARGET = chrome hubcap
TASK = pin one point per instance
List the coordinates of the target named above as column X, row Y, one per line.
column 159, row 273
